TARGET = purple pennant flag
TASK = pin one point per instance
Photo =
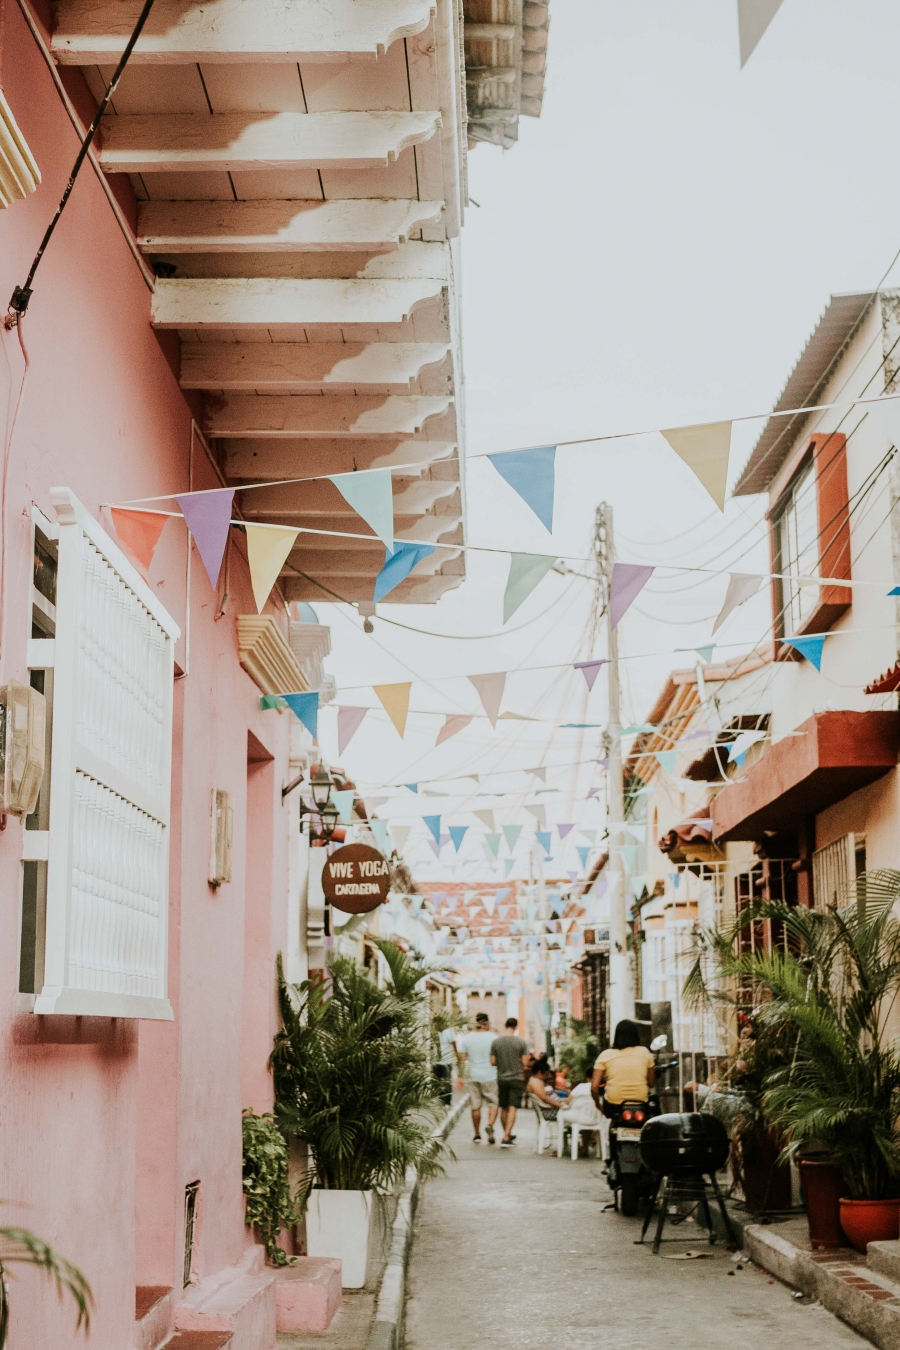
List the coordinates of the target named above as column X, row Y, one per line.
column 564, row 830
column 593, row 792
column 208, row 517
column 348, row 720
column 590, row 670
column 628, row 580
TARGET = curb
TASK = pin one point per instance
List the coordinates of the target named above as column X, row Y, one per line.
column 385, row 1333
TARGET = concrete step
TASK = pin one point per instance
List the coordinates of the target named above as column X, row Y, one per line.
column 885, row 1258
column 154, row 1307
column 198, row 1340
column 239, row 1300
column 308, row 1294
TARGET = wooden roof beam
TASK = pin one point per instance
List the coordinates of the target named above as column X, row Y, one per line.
column 298, row 367
column 284, row 457
column 276, row 226
column 91, row 32
column 234, row 304
column 232, row 142
column 276, row 415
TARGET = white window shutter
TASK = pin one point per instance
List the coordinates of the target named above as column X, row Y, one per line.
column 108, row 865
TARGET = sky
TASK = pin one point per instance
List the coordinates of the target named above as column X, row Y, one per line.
column 654, row 251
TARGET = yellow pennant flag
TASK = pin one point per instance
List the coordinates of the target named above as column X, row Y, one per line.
column 705, row 450
column 267, row 548
column 395, row 701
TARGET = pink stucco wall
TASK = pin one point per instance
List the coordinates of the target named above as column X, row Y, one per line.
column 104, row 1122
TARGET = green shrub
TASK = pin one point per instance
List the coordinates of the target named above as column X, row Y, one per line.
column 270, row 1205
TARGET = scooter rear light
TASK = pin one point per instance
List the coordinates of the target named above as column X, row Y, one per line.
column 639, row 1115
column 626, row 1115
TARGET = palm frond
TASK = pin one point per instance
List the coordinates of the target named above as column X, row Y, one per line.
column 20, row 1245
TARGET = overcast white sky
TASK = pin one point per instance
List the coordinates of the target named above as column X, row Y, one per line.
column 654, row 251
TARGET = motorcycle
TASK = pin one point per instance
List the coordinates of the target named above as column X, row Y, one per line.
column 628, row 1176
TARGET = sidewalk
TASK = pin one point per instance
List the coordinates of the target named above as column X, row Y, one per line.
column 513, row 1252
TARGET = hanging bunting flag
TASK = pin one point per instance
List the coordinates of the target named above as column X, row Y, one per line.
column 445, row 838
column 413, row 787
column 306, row 707
column 489, row 903
column 208, row 517
column 540, row 815
column 742, row 743
column 538, row 773
column 435, row 846
column 398, row 565
column 434, row 825
column 667, row 759
column 754, row 17
column 453, row 723
column 563, row 830
column 344, row 803
column 379, row 829
column 370, row 493
column 705, row 451
column 590, row 670
column 490, row 691
column 531, row 473
column 589, row 835
column 810, row 647
column 348, row 722
column 267, row 548
column 486, row 818
column 526, row 572
column 139, row 532
column 543, row 837
column 508, row 865
column 583, row 854
column 592, row 793
column 741, row 586
column 637, row 831
column 394, row 698
column 457, row 834
column 629, row 855
column 493, row 843
column 628, row 580
column 511, row 834
column 401, row 834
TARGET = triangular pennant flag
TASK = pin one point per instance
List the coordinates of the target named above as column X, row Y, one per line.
column 306, row 707
column 370, row 493
column 741, row 585
column 435, row 846
column 543, row 838
column 810, row 647
column 592, row 793
column 511, row 834
column 583, row 854
column 637, row 831
column 401, row 834
column 490, row 691
column 538, row 773
column 589, row 835
column 489, row 902
column 531, row 473
column 379, row 829
column 754, row 17
column 486, row 818
column 705, row 653
column 628, row 580
column 742, row 743
column 526, row 571
column 267, row 548
column 453, row 723
column 139, row 532
column 445, row 838
column 539, row 813
column 590, row 670
column 508, row 865
column 271, row 701
column 434, row 825
column 457, row 834
column 667, row 759
column 705, row 449
column 563, row 830
column 413, row 787
column 394, row 698
column 629, row 854
column 208, row 517
column 398, row 565
column 344, row 803
column 348, row 720
column 493, row 843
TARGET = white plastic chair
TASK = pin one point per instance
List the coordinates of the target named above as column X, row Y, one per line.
column 545, row 1123
column 577, row 1129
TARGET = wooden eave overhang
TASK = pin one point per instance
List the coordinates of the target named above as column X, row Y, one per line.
column 506, row 62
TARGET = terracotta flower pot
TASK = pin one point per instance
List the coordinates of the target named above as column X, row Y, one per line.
column 866, row 1221
column 822, row 1185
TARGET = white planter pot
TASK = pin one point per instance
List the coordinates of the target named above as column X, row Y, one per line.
column 343, row 1224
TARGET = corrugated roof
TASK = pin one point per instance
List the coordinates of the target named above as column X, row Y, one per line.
column 834, row 330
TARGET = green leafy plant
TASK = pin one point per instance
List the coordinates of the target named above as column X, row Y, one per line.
column 579, row 1052
column 352, row 1077
column 270, row 1206
column 19, row 1245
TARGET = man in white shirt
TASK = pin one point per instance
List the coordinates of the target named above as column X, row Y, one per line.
column 474, row 1050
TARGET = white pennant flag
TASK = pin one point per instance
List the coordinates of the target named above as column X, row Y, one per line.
column 705, row 450
column 741, row 586
column 490, row 691
column 754, row 17
column 400, row 834
column 487, row 819
column 540, row 815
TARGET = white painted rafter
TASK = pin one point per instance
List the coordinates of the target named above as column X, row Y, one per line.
column 282, row 457
column 262, row 302
column 297, row 367
column 219, row 142
column 274, row 226
column 276, row 415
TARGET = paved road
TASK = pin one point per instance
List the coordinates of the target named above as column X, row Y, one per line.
column 514, row 1252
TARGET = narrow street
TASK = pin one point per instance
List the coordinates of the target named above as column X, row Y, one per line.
column 513, row 1250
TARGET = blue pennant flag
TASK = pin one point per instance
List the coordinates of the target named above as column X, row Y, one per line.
column 810, row 647
column 434, row 825
column 398, row 565
column 584, row 854
column 532, row 474
column 413, row 787
column 304, row 706
column 543, row 837
column 457, row 834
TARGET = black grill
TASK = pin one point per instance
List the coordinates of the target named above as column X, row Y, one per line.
column 689, row 1142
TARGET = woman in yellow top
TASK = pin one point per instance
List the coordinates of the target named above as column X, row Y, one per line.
column 627, row 1071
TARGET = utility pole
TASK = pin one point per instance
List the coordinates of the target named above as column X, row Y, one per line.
column 621, row 985
column 537, row 852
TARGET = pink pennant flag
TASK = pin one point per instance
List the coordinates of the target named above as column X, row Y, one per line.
column 348, row 721
column 208, row 517
column 490, row 691
column 590, row 670
column 453, row 723
column 628, row 580
column 139, row 532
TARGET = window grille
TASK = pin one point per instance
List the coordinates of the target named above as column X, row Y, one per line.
column 191, row 1193
column 107, row 869
column 798, row 549
column 835, row 869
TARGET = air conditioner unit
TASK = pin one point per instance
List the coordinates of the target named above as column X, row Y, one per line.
column 23, row 723
column 221, row 832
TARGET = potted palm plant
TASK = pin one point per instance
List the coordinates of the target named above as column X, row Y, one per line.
column 353, row 1082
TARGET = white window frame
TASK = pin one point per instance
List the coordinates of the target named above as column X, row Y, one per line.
column 73, row 762
column 834, row 870
column 799, row 556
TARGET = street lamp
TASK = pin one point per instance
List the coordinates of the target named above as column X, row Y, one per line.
column 320, row 784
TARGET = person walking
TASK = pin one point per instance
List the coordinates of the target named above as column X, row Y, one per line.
column 475, row 1052
column 510, row 1055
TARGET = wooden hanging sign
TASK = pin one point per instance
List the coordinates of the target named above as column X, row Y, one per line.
column 356, row 879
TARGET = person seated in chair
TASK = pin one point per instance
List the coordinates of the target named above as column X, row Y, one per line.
column 539, row 1086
